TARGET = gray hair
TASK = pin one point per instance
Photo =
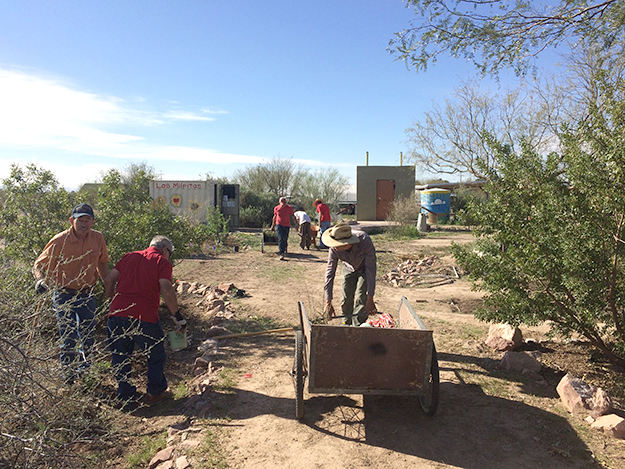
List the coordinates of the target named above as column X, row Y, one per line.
column 160, row 242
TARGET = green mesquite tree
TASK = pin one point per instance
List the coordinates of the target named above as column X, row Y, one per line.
column 35, row 208
column 550, row 240
column 496, row 34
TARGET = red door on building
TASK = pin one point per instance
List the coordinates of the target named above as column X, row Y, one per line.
column 386, row 194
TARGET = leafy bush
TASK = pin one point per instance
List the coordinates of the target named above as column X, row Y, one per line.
column 42, row 420
column 256, row 208
column 129, row 219
column 35, row 209
column 550, row 242
column 460, row 201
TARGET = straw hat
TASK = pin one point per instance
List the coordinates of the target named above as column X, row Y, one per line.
column 339, row 235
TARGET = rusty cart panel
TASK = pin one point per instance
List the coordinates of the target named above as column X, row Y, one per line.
column 367, row 360
column 393, row 360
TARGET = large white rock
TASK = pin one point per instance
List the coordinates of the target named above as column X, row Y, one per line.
column 519, row 361
column 611, row 424
column 161, row 457
column 581, row 398
column 504, row 337
column 601, row 403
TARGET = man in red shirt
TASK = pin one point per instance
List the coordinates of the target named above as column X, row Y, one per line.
column 136, row 284
column 282, row 215
column 325, row 220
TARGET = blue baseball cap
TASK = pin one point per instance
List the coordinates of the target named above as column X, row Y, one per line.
column 81, row 210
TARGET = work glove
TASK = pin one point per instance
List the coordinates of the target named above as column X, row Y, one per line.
column 41, row 287
column 179, row 321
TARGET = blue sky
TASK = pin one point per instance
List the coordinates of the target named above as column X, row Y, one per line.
column 196, row 87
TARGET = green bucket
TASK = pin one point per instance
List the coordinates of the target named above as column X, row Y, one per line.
column 177, row 340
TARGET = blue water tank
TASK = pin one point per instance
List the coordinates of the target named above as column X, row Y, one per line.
column 436, row 200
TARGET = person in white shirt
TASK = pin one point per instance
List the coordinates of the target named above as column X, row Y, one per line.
column 303, row 221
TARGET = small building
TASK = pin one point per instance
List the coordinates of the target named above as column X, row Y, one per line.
column 195, row 198
column 378, row 186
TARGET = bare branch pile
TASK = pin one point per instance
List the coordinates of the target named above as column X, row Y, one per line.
column 426, row 272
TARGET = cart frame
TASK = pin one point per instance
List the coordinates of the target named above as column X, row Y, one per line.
column 264, row 241
column 365, row 360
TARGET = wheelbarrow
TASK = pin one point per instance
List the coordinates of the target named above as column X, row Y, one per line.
column 391, row 361
column 269, row 238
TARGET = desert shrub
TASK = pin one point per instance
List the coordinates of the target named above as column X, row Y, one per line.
column 42, row 420
column 256, row 208
column 129, row 219
column 278, row 176
column 403, row 217
column 460, row 203
column 550, row 238
column 263, row 184
column 35, row 209
column 327, row 184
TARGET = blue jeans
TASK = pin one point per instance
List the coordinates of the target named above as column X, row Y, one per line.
column 324, row 225
column 124, row 333
column 75, row 317
column 283, row 238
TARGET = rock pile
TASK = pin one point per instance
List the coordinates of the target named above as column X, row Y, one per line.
column 215, row 299
column 180, row 439
column 580, row 398
column 577, row 397
column 504, row 337
column 185, row 437
column 427, row 272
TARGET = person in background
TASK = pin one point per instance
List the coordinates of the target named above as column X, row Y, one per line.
column 136, row 284
column 282, row 215
column 356, row 252
column 325, row 220
column 70, row 264
column 303, row 221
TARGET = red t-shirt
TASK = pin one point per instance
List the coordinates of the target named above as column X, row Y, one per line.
column 324, row 210
column 283, row 214
column 138, row 292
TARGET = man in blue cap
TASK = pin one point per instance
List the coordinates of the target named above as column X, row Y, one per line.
column 70, row 264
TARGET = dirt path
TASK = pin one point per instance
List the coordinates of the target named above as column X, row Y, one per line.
column 485, row 419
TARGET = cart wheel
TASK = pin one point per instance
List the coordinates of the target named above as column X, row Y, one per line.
column 429, row 404
column 298, row 374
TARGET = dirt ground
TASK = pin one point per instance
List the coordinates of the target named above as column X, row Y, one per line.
column 486, row 418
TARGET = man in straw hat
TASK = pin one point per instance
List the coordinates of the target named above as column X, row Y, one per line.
column 356, row 251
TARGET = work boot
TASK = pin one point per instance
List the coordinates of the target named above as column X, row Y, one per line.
column 151, row 399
